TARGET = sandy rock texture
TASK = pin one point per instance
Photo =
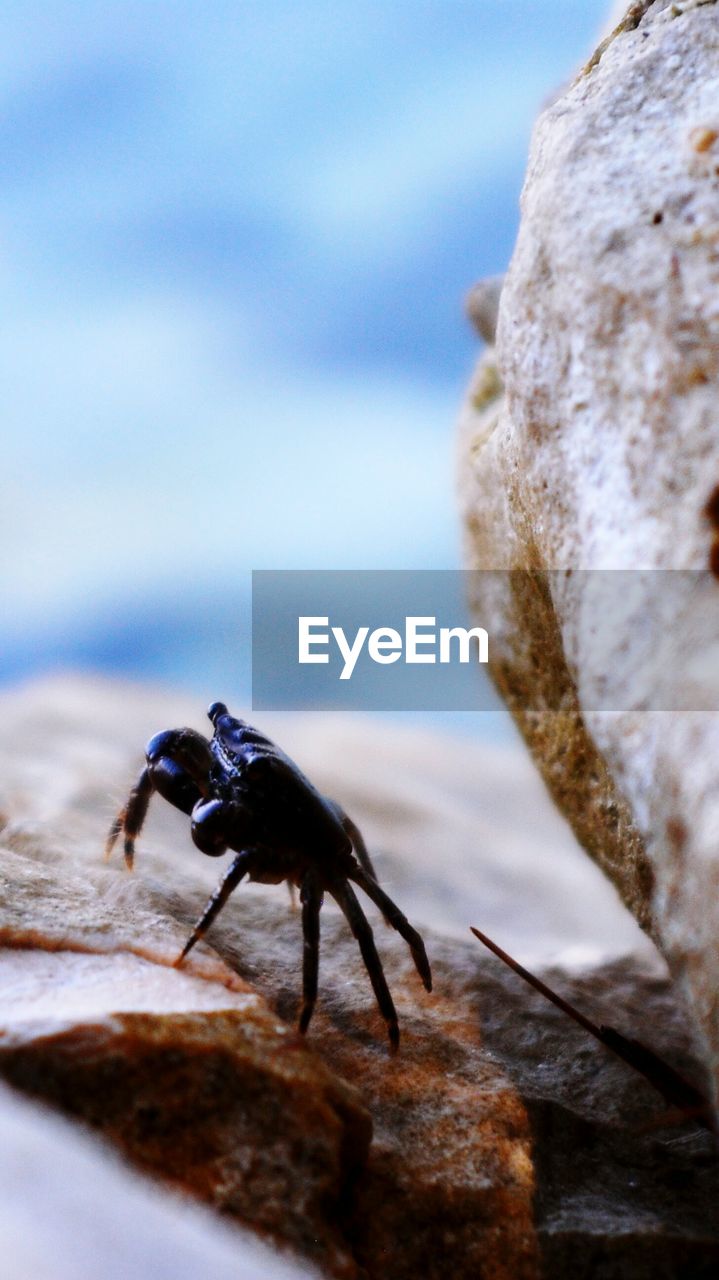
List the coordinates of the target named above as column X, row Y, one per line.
column 69, row 1209
column 459, row 1155
column 590, row 442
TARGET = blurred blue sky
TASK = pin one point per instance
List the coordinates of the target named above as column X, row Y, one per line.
column 234, row 244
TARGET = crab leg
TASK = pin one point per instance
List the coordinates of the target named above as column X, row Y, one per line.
column 311, row 896
column 238, row 868
column 398, row 921
column 344, row 895
column 131, row 818
column 358, row 843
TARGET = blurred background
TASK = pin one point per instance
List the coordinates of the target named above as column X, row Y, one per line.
column 235, row 239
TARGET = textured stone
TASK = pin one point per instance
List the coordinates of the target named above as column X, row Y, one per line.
column 189, row 1073
column 199, row 1076
column 69, row 1210
column 601, row 454
column 482, row 306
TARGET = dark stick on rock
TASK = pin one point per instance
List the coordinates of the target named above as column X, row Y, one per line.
column 674, row 1088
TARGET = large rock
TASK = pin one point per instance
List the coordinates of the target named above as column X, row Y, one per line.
column 199, row 1077
column 591, row 442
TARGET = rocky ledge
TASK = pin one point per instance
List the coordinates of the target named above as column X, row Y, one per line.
column 499, row 1142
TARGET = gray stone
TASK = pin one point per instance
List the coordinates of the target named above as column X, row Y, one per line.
column 598, row 450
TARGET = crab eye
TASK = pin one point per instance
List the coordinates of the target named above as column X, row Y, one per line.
column 215, row 710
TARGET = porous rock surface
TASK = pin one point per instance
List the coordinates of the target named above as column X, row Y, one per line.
column 590, row 441
column 459, row 1155
column 69, row 1210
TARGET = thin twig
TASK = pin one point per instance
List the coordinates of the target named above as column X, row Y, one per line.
column 674, row 1088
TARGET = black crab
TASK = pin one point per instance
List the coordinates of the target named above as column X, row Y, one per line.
column 243, row 793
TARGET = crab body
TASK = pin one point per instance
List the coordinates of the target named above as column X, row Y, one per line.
column 243, row 793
